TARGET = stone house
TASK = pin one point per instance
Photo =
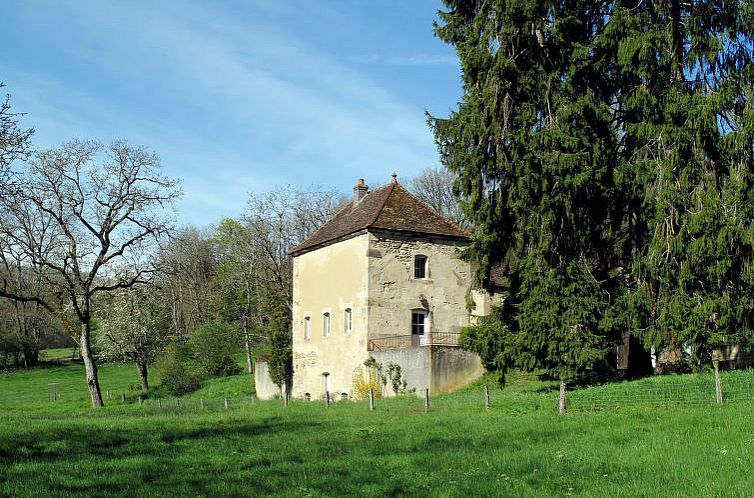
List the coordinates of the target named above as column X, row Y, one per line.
column 382, row 279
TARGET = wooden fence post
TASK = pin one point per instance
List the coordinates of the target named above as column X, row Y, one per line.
column 107, row 395
column 159, row 403
column 226, row 403
column 718, row 384
column 201, row 403
column 426, row 399
column 141, row 400
column 178, row 402
column 123, row 397
column 486, row 396
column 562, row 403
column 371, row 399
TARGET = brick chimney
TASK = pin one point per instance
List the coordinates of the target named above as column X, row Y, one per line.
column 360, row 191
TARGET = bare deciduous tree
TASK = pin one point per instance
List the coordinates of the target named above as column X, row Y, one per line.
column 435, row 187
column 15, row 142
column 85, row 216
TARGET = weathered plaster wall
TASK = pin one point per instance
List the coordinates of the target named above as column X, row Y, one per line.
column 441, row 369
column 329, row 279
column 393, row 292
column 453, row 368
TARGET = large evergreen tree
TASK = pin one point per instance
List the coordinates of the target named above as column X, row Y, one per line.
column 534, row 149
column 684, row 111
column 603, row 152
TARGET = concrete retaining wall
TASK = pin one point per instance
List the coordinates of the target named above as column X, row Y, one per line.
column 441, row 369
column 266, row 389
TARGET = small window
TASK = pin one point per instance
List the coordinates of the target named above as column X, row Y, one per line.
column 344, row 396
column 308, row 328
column 308, row 396
column 418, row 322
column 326, row 324
column 347, row 320
column 420, row 267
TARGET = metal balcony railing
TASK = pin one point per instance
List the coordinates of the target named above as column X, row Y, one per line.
column 409, row 341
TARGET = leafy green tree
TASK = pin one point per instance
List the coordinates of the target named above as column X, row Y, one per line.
column 281, row 347
column 213, row 346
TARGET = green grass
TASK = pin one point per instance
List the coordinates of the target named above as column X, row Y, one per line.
column 520, row 447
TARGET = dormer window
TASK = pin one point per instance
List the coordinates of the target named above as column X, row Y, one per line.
column 420, row 266
column 326, row 324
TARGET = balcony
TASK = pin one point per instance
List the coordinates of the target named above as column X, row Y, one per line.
column 410, row 341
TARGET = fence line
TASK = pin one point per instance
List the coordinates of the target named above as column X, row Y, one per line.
column 675, row 391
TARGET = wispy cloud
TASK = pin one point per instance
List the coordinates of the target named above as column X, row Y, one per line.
column 230, row 105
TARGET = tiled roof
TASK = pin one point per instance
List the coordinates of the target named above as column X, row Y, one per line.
column 391, row 207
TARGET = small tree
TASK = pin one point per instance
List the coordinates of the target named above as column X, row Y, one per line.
column 84, row 217
column 213, row 346
column 134, row 327
column 281, row 349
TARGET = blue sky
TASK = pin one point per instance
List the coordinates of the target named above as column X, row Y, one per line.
column 236, row 96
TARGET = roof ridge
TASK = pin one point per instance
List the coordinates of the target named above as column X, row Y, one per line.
column 435, row 211
column 382, row 206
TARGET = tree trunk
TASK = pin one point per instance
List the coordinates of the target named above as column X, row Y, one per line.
column 142, row 368
column 31, row 356
column 247, row 344
column 90, row 366
column 562, row 405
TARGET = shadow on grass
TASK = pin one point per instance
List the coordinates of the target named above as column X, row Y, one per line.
column 121, row 461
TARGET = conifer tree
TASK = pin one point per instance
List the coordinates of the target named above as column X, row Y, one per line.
column 684, row 111
column 533, row 147
column 603, row 151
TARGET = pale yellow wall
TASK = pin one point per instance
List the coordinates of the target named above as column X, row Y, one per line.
column 331, row 279
column 393, row 292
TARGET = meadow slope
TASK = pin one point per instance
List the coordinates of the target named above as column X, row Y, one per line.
column 519, row 447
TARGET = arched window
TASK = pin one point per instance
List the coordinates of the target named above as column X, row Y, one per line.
column 347, row 321
column 420, row 266
column 307, row 328
column 326, row 324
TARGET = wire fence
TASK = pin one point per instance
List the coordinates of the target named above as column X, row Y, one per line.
column 669, row 391
column 665, row 391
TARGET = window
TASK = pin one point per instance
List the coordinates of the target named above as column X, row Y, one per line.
column 418, row 322
column 326, row 324
column 308, row 396
column 420, row 267
column 347, row 320
column 307, row 328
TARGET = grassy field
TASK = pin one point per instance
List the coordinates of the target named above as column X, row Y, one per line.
column 520, row 447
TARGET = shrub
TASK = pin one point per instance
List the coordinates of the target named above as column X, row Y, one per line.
column 176, row 372
column 213, row 346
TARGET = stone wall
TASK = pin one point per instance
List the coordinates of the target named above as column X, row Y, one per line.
column 394, row 292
